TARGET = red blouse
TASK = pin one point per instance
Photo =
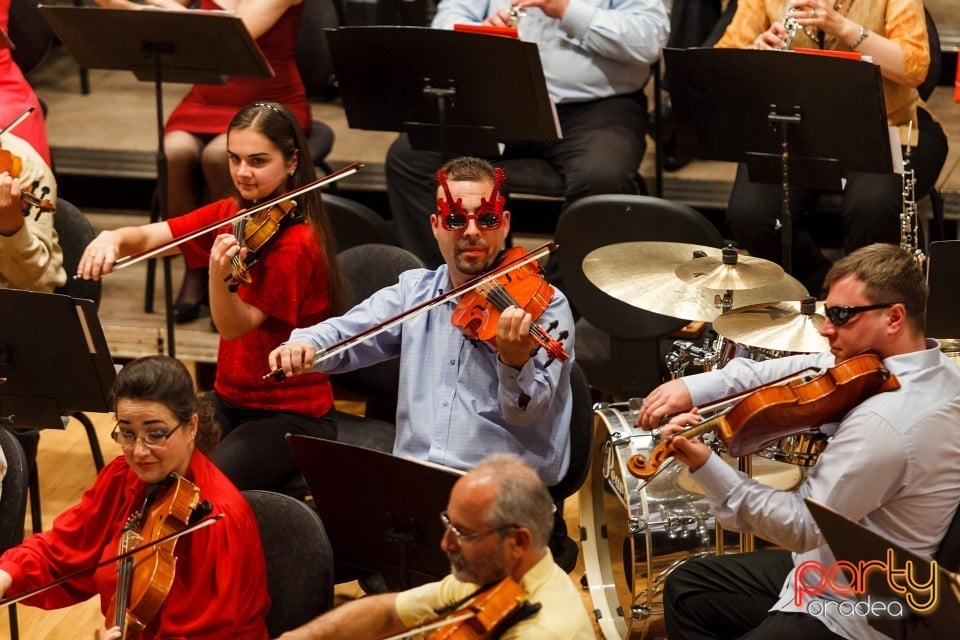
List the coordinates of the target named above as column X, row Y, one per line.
column 220, row 587
column 291, row 286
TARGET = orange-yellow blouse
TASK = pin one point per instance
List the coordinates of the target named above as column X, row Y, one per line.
column 899, row 20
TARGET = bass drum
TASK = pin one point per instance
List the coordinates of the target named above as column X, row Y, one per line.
column 634, row 533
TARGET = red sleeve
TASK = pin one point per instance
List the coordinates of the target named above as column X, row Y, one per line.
column 196, row 252
column 79, row 538
column 220, row 588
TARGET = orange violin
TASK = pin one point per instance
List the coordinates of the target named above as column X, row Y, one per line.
column 771, row 412
column 478, row 311
column 12, row 164
column 254, row 233
column 489, row 613
column 147, row 576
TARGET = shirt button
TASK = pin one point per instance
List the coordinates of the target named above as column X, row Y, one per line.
column 445, row 403
column 437, row 447
column 453, row 362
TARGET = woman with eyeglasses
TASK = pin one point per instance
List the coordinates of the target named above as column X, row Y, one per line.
column 890, row 463
column 219, row 587
column 295, row 283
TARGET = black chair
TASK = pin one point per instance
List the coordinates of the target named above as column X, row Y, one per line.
column 75, row 233
column 299, row 560
column 369, row 268
column 13, row 504
column 617, row 343
column 565, row 550
column 354, row 224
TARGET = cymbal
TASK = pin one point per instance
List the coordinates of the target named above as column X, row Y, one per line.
column 643, row 274
column 781, row 326
column 731, row 271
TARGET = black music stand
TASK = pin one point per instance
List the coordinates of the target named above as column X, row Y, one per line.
column 197, row 47
column 448, row 90
column 943, row 306
column 855, row 543
column 794, row 119
column 54, row 360
column 381, row 512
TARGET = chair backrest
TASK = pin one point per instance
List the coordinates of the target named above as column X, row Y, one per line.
column 368, row 268
column 355, row 224
column 299, row 560
column 30, row 33
column 581, row 436
column 75, row 233
column 936, row 58
column 598, row 221
column 13, row 498
column 312, row 52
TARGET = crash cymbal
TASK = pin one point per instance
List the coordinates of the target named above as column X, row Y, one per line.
column 730, row 271
column 642, row 274
column 780, row 326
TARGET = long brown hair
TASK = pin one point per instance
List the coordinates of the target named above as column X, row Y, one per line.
column 278, row 124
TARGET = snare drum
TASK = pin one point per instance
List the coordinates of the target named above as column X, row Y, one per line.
column 801, row 449
column 633, row 533
column 727, row 350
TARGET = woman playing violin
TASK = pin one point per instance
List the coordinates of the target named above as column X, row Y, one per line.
column 295, row 283
column 459, row 400
column 498, row 520
column 219, row 588
column 30, row 254
column 890, row 462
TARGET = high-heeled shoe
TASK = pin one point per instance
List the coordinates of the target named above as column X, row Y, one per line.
column 193, row 294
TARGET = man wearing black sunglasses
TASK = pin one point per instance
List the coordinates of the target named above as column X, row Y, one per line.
column 459, row 400
column 890, row 463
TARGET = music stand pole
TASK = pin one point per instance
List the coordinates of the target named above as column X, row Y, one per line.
column 782, row 123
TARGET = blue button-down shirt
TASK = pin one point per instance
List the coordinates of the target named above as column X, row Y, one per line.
column 457, row 402
column 599, row 49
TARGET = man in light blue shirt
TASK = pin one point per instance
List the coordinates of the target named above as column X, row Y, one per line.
column 596, row 57
column 890, row 463
column 460, row 400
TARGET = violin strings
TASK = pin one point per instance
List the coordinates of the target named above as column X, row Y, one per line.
column 501, row 299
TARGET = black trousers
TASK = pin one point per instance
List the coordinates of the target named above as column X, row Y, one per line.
column 730, row 597
column 871, row 208
column 253, row 451
column 601, row 149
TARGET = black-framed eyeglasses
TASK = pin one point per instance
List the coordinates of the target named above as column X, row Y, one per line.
column 461, row 537
column 455, row 221
column 156, row 438
column 841, row 314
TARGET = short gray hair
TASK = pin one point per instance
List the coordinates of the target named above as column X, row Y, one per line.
column 521, row 497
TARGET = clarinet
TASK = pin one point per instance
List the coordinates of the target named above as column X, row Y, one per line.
column 791, row 25
column 909, row 218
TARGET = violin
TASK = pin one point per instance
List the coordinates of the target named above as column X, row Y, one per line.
column 478, row 312
column 488, row 613
column 13, row 164
column 254, row 233
column 771, row 412
column 145, row 578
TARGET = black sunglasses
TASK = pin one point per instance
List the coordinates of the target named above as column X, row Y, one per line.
column 842, row 313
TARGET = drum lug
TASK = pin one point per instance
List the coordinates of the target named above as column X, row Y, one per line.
column 639, row 612
column 636, row 525
column 619, row 439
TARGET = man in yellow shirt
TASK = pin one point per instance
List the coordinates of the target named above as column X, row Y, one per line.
column 498, row 521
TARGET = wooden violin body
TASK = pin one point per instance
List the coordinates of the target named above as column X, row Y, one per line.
column 12, row 164
column 147, row 576
column 478, row 312
column 775, row 411
column 254, row 233
column 494, row 610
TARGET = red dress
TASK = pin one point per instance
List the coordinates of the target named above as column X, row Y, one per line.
column 219, row 590
column 16, row 95
column 290, row 285
column 209, row 108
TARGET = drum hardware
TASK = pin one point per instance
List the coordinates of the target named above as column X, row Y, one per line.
column 686, row 353
column 645, row 275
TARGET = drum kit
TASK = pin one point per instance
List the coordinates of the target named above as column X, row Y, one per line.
column 635, row 532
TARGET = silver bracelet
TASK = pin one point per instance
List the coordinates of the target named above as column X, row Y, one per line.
column 864, row 32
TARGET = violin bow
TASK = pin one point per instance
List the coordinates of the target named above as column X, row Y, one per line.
column 196, row 526
column 349, row 343
column 20, row 118
column 345, row 172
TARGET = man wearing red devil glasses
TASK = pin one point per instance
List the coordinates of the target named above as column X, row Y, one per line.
column 460, row 399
